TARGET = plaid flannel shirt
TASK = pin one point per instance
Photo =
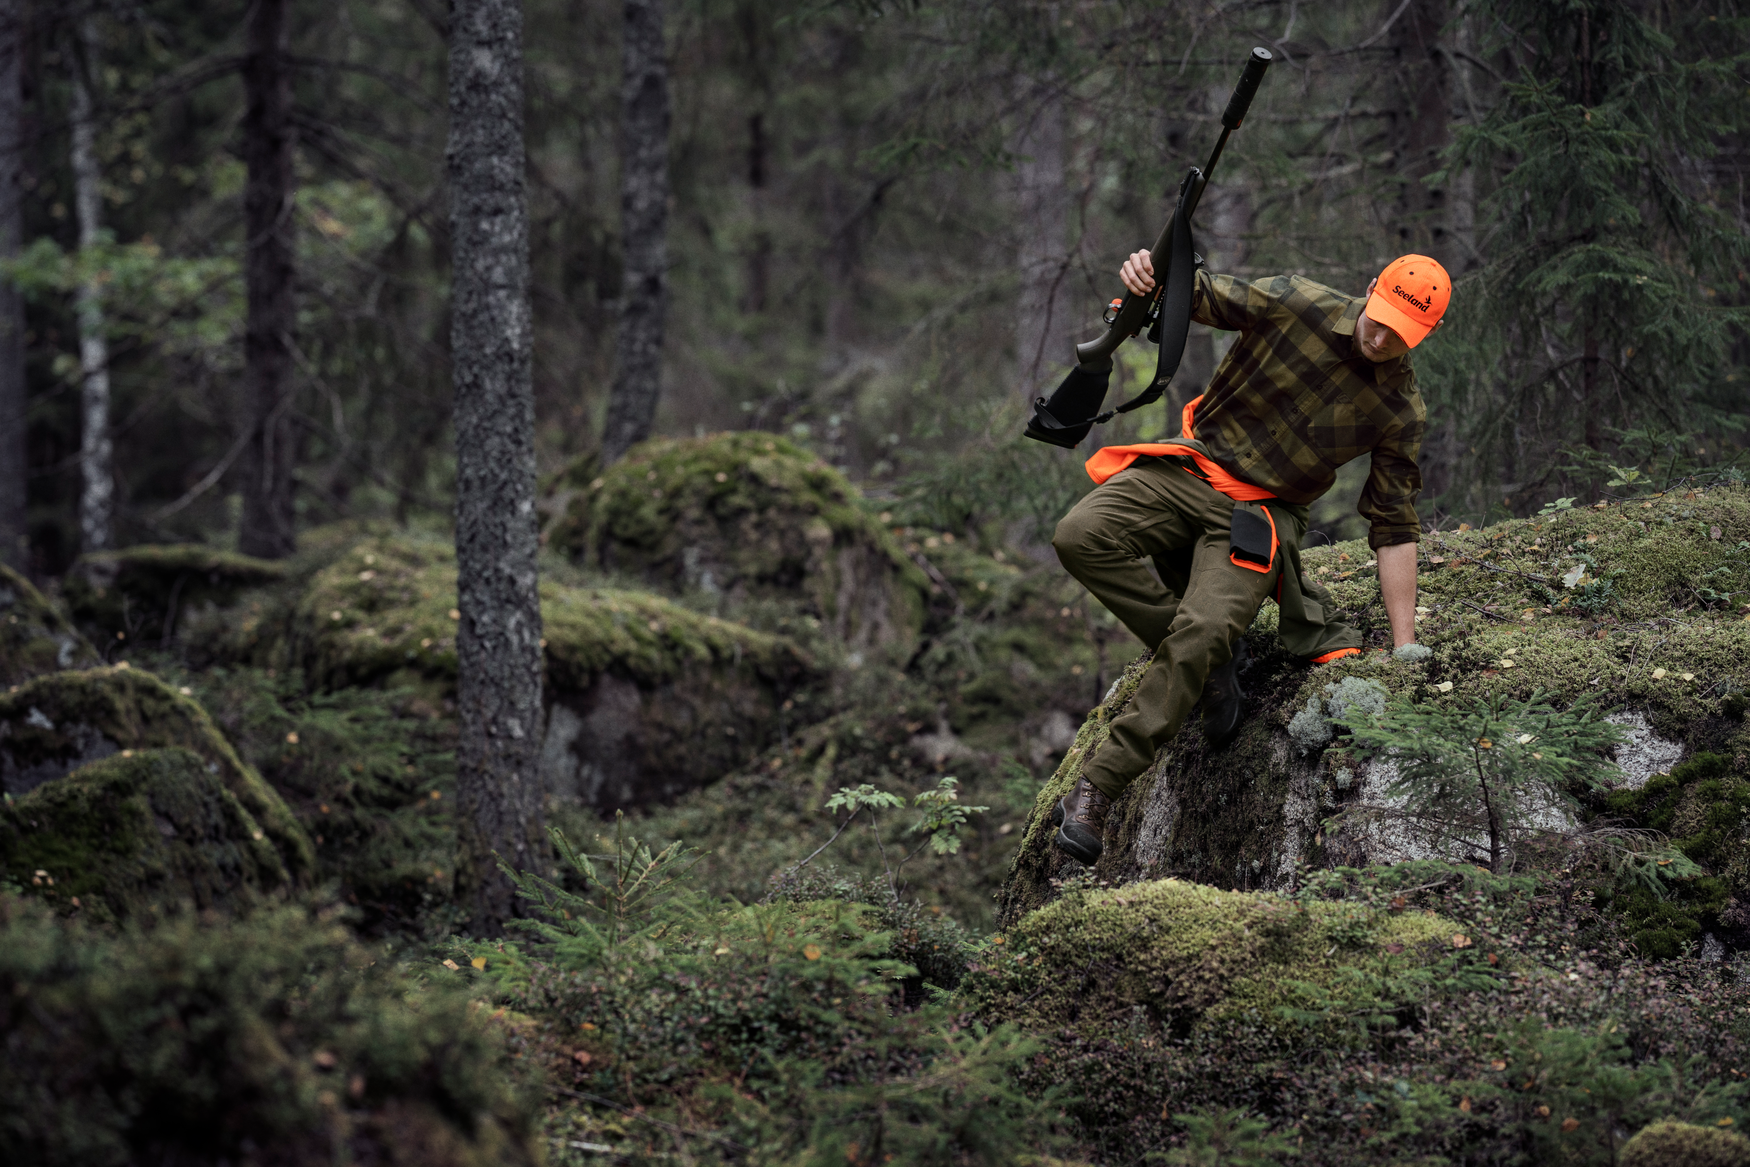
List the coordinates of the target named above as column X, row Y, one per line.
column 1294, row 399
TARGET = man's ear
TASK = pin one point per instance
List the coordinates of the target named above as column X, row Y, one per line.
column 1371, row 284
column 1437, row 325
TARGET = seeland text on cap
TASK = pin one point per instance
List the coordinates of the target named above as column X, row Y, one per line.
column 1410, row 297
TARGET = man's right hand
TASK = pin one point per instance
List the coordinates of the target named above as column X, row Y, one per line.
column 1138, row 273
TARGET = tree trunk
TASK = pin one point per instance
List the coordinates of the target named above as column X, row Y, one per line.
column 268, row 269
column 498, row 642
column 759, row 252
column 1042, row 313
column 644, row 120
column 1420, row 129
column 96, row 460
column 14, row 527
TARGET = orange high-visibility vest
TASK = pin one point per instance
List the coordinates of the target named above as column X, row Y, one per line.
column 1111, row 459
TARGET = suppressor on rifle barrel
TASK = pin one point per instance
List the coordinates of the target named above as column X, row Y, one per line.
column 1241, row 101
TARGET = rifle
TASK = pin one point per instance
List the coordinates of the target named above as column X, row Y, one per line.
column 1074, row 408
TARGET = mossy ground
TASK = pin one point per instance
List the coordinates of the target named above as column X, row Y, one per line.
column 747, row 517
column 55, row 723
column 34, row 637
column 1172, row 955
column 271, row 1039
column 1667, row 639
column 143, row 831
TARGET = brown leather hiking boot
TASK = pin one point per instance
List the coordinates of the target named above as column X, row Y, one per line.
column 1080, row 816
column 1224, row 702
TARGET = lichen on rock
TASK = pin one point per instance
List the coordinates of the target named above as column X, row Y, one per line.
column 645, row 698
column 55, row 725
column 34, row 637
column 138, row 831
column 747, row 516
column 1186, row 953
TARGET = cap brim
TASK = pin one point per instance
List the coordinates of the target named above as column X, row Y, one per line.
column 1382, row 311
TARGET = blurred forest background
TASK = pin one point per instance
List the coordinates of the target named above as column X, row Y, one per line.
column 886, row 222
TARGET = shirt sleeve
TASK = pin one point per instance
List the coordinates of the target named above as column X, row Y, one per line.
column 1388, row 500
column 1226, row 302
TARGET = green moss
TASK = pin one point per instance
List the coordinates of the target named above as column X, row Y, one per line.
column 382, row 613
column 34, row 637
column 139, row 831
column 1701, row 805
column 1682, row 1144
column 748, row 515
column 1186, row 953
column 273, row 1038
column 54, row 724
column 137, row 595
column 371, row 778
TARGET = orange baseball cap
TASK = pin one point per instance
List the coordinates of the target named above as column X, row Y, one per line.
column 1410, row 297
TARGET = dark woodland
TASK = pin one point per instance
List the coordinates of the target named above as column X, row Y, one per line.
column 530, row 633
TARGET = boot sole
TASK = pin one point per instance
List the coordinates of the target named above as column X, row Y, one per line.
column 1076, row 851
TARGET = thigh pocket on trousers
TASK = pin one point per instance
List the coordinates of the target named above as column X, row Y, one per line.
column 1252, row 542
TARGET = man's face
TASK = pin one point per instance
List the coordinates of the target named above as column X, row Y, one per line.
column 1377, row 342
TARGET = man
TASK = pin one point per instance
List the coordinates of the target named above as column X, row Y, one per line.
column 1315, row 379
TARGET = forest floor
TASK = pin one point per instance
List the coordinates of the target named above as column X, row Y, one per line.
column 830, row 724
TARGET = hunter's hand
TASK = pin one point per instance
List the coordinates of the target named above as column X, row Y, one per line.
column 1138, row 273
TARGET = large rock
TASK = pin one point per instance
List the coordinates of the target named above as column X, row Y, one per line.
column 34, row 637
column 55, row 725
column 747, row 516
column 139, row 831
column 1628, row 602
column 141, row 595
column 645, row 698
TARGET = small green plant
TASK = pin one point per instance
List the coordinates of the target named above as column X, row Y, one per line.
column 940, row 823
column 1489, row 772
column 631, row 900
column 943, row 816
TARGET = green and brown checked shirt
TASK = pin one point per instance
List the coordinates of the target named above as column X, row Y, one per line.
column 1294, row 399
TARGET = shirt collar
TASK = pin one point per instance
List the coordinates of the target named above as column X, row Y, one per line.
column 1345, row 325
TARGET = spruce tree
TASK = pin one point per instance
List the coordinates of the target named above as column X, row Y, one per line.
column 1610, row 298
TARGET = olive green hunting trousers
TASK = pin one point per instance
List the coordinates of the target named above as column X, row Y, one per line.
column 1200, row 604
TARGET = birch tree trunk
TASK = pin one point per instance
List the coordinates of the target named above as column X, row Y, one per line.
column 14, row 527
column 96, row 454
column 498, row 642
column 268, row 529
column 644, row 122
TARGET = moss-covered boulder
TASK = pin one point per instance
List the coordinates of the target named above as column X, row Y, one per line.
column 34, row 637
column 1180, row 954
column 747, row 516
column 139, row 595
column 645, row 698
column 1633, row 603
column 1682, row 1144
column 143, row 830
column 53, row 726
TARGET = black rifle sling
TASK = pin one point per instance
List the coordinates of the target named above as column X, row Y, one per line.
column 1175, row 316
